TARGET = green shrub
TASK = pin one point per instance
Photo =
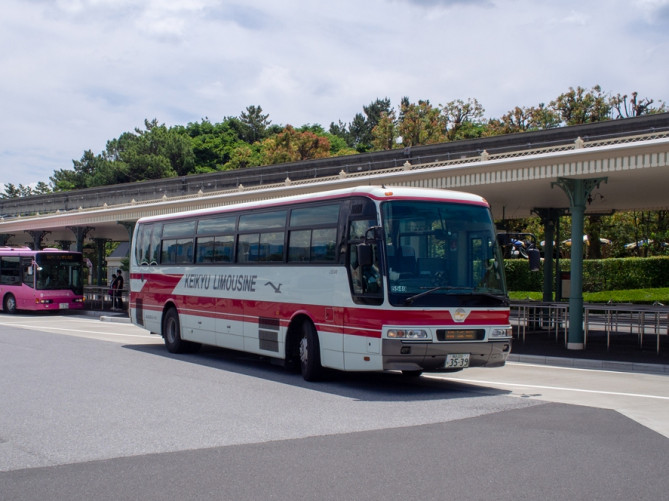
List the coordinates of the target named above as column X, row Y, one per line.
column 598, row 274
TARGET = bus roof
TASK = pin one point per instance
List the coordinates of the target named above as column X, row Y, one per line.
column 375, row 192
column 10, row 250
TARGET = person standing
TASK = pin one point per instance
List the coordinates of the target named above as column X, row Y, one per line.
column 112, row 290
column 118, row 290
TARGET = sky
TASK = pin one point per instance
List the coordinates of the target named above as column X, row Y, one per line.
column 78, row 73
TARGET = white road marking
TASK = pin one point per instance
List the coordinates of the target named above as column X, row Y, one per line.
column 556, row 388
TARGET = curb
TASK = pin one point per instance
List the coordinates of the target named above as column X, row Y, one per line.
column 106, row 316
column 118, row 320
column 584, row 363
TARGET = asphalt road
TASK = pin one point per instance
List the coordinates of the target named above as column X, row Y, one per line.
column 100, row 410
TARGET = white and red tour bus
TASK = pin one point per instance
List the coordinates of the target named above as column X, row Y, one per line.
column 360, row 279
column 48, row 279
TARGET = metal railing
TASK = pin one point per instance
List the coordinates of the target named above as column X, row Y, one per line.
column 612, row 319
column 98, row 297
column 635, row 319
column 534, row 315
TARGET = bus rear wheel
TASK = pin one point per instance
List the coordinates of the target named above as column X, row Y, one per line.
column 10, row 304
column 172, row 334
column 310, row 353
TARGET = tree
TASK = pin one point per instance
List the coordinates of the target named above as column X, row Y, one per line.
column 635, row 107
column 154, row 153
column 11, row 191
column 41, row 188
column 213, row 144
column 420, row 123
column 244, row 155
column 463, row 120
column 359, row 133
column 82, row 175
column 523, row 120
column 294, row 146
column 385, row 133
column 578, row 106
column 254, row 124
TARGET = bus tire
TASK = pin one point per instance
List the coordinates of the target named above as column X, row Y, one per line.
column 310, row 353
column 9, row 305
column 172, row 334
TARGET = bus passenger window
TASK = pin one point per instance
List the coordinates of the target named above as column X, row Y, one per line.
column 247, row 248
column 298, row 246
column 271, row 247
column 323, row 244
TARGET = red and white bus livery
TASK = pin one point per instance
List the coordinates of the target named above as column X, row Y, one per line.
column 361, row 279
column 49, row 279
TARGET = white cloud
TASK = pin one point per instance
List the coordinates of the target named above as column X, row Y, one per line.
column 78, row 73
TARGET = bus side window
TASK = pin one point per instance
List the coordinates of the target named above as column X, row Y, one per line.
column 10, row 273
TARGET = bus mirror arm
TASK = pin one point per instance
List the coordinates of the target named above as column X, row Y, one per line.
column 374, row 234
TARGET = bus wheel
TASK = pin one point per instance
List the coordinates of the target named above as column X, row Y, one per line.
column 310, row 353
column 10, row 304
column 172, row 334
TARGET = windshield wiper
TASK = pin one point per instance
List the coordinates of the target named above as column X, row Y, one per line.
column 411, row 299
column 465, row 290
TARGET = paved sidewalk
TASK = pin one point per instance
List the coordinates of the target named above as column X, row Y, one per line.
column 624, row 353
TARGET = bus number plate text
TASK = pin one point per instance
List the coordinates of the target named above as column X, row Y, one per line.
column 457, row 361
column 63, row 306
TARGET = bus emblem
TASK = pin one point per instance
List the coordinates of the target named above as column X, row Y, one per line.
column 460, row 315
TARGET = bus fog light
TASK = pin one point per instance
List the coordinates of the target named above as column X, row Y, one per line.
column 499, row 333
column 408, row 334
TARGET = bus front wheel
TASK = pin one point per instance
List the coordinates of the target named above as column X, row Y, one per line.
column 10, row 304
column 172, row 334
column 310, row 353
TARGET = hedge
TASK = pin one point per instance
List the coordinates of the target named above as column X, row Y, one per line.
column 598, row 274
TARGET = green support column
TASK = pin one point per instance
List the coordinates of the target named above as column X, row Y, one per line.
column 38, row 236
column 100, row 245
column 577, row 190
column 80, row 233
column 550, row 218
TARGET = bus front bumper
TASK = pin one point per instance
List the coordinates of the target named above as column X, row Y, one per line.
column 432, row 357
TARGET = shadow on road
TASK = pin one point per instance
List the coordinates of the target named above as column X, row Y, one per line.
column 363, row 386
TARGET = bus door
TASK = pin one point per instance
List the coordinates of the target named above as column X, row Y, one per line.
column 366, row 285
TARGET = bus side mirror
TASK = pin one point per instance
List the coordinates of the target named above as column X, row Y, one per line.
column 365, row 256
column 534, row 259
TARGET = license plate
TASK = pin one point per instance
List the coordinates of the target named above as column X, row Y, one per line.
column 63, row 306
column 457, row 361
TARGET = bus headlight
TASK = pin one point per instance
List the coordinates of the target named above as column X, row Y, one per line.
column 499, row 333
column 408, row 334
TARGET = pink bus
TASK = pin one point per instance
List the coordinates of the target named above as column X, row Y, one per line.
column 49, row 279
column 361, row 279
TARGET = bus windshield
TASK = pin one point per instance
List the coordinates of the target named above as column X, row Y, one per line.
column 441, row 254
column 58, row 271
